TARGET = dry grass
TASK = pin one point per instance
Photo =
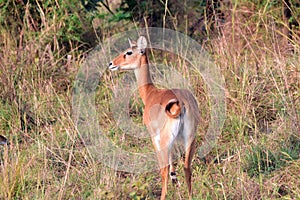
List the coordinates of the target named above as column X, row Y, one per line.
column 257, row 155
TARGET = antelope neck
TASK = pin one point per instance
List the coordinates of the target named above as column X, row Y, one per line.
column 142, row 74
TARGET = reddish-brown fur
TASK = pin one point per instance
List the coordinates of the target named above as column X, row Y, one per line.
column 161, row 97
column 164, row 107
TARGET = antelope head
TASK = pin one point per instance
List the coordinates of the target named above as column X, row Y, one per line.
column 132, row 58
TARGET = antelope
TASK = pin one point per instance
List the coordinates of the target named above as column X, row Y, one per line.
column 170, row 115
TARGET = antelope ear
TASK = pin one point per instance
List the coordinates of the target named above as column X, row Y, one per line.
column 131, row 43
column 142, row 43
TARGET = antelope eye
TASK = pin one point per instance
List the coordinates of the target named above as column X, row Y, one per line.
column 128, row 53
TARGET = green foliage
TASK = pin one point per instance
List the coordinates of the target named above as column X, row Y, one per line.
column 120, row 15
column 132, row 9
column 68, row 19
column 290, row 149
column 260, row 160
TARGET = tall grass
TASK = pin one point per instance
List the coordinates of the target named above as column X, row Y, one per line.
column 257, row 155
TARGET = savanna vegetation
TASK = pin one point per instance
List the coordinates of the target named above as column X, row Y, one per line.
column 255, row 44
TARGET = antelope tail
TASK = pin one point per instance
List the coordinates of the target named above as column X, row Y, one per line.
column 173, row 108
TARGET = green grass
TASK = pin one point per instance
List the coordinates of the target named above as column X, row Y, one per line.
column 257, row 154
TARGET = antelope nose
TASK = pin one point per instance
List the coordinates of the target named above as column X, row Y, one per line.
column 112, row 67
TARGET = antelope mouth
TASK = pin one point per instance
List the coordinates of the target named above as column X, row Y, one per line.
column 113, row 67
